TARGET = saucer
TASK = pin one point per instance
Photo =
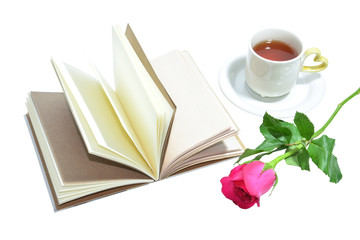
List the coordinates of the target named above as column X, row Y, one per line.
column 307, row 93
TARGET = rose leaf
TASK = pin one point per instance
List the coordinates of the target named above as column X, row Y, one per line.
column 300, row 159
column 304, row 125
column 320, row 151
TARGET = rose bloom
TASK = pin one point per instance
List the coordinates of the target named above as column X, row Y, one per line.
column 246, row 183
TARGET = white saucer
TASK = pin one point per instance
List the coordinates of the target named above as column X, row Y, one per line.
column 307, row 93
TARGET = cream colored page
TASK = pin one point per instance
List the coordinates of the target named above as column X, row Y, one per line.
column 230, row 146
column 163, row 121
column 199, row 117
column 99, row 150
column 41, row 137
column 227, row 148
column 95, row 148
column 142, row 104
column 99, row 115
column 118, row 108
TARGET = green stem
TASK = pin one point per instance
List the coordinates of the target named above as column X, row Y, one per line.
column 286, row 155
column 321, row 130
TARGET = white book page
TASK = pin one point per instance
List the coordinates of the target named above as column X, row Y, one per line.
column 119, row 110
column 142, row 101
column 89, row 103
column 200, row 119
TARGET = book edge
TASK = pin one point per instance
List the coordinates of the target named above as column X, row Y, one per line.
column 49, row 184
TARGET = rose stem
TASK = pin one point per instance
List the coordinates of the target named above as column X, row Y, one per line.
column 321, row 130
column 286, row 155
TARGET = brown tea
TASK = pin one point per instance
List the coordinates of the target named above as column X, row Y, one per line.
column 275, row 50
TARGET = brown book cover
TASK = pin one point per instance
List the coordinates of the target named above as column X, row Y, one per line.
column 74, row 164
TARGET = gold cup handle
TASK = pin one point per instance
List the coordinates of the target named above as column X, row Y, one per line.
column 318, row 58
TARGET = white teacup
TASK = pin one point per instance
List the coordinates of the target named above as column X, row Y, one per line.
column 274, row 78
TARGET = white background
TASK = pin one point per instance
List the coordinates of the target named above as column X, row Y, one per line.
column 304, row 205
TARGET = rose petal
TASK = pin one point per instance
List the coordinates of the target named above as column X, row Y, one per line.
column 267, row 178
column 258, row 183
column 228, row 188
column 236, row 173
column 241, row 184
column 244, row 200
column 235, row 192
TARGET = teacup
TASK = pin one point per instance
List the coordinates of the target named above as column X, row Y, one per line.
column 275, row 58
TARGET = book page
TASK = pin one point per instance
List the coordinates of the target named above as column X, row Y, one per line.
column 230, row 147
column 119, row 110
column 105, row 136
column 145, row 106
column 200, row 119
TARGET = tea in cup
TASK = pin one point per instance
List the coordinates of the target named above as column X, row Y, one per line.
column 274, row 60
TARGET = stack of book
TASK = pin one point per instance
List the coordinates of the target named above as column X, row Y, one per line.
column 161, row 118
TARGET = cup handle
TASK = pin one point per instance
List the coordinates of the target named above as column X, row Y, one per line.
column 318, row 58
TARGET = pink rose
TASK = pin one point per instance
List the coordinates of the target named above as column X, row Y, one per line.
column 246, row 183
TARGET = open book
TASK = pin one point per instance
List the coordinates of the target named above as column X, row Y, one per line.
column 160, row 119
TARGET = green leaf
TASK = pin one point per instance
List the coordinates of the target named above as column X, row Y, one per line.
column 334, row 170
column 300, row 159
column 270, row 141
column 271, row 128
column 276, row 132
column 249, row 152
column 295, row 134
column 304, row 125
column 258, row 157
column 270, row 144
column 320, row 151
